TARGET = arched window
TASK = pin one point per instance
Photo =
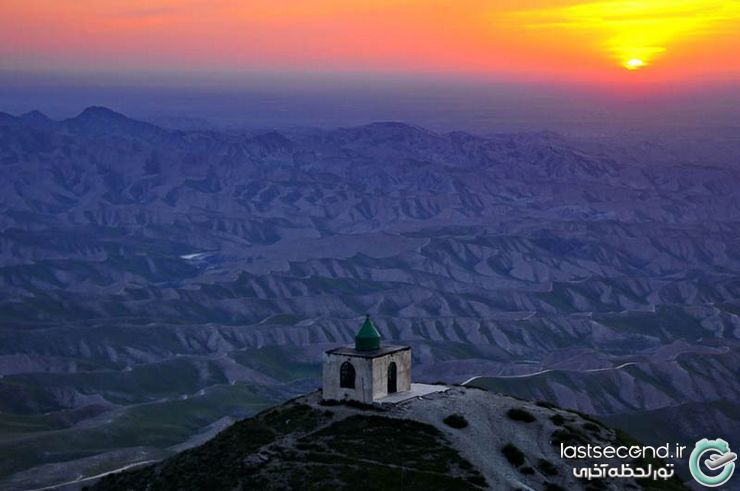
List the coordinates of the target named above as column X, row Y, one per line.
column 347, row 376
column 392, row 384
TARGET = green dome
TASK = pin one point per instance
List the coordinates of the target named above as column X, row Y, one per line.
column 367, row 338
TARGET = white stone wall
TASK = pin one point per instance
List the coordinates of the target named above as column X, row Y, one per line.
column 371, row 376
column 363, row 390
column 380, row 373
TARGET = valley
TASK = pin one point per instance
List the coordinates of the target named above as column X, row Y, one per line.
column 156, row 284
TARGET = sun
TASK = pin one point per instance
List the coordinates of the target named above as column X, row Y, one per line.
column 634, row 64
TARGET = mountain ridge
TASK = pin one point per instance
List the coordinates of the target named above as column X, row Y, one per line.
column 492, row 442
column 201, row 274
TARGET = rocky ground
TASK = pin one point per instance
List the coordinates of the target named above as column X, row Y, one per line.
column 505, row 443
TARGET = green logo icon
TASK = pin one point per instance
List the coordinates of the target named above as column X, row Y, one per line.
column 720, row 462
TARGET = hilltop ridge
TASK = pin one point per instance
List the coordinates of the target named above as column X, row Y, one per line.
column 492, row 441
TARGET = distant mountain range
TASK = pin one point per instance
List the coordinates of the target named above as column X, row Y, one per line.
column 155, row 284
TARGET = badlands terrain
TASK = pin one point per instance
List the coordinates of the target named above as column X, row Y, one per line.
column 157, row 284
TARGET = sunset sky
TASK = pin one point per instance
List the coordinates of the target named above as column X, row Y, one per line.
column 594, row 41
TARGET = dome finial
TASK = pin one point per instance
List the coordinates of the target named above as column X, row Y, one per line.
column 368, row 337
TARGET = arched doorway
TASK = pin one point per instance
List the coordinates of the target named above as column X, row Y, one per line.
column 392, row 385
column 347, row 376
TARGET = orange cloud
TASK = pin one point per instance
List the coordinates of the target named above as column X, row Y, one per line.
column 551, row 39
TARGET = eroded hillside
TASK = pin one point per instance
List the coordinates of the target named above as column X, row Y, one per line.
column 157, row 284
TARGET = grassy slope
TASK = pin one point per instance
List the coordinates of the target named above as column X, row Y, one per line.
column 304, row 448
column 158, row 425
